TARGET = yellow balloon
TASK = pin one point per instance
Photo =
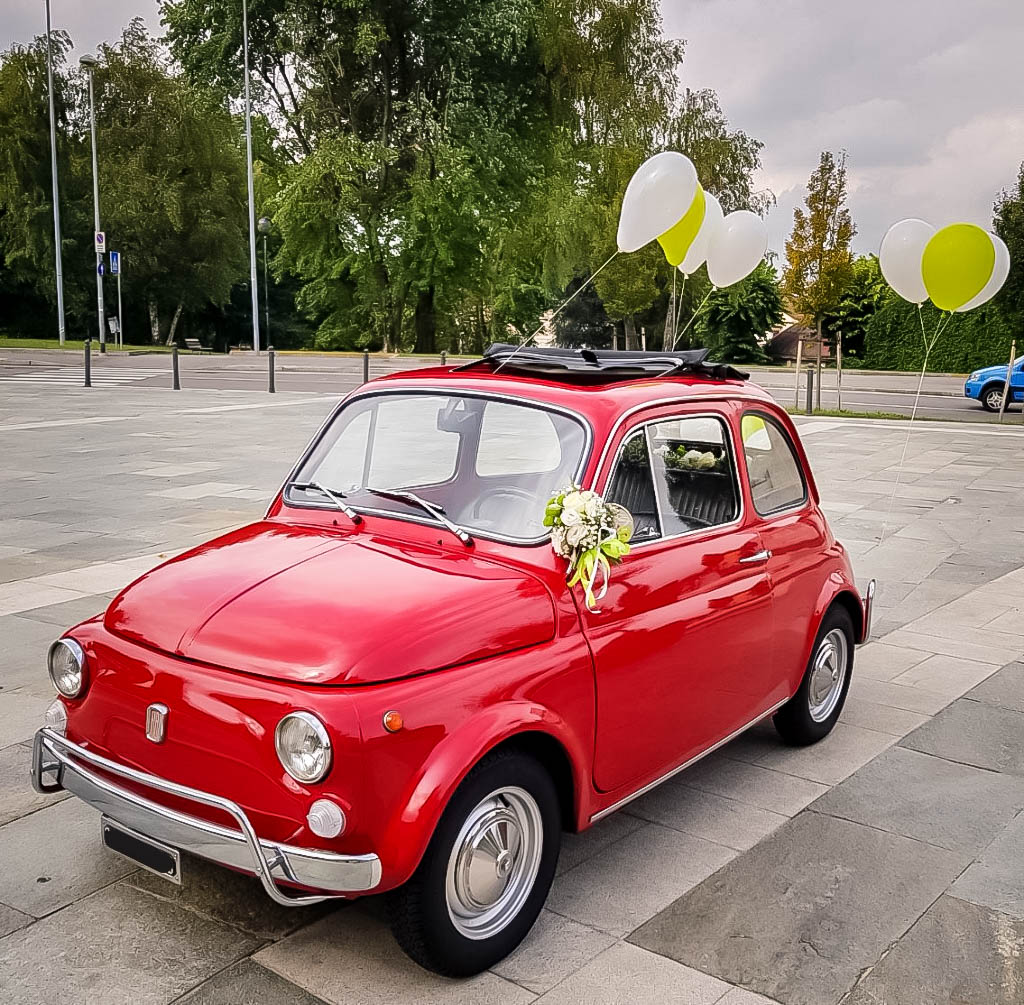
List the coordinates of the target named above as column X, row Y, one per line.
column 676, row 241
column 957, row 264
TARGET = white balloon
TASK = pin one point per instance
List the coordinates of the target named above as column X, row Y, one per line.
column 900, row 258
column 735, row 250
column 698, row 252
column 657, row 197
column 1000, row 270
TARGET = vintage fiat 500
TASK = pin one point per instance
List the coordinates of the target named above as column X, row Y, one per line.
column 388, row 685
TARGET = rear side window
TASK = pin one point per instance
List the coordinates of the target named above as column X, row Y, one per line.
column 776, row 479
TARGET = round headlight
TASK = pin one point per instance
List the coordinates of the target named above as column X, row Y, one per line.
column 303, row 746
column 66, row 663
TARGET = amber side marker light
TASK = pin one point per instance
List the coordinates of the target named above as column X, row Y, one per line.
column 393, row 721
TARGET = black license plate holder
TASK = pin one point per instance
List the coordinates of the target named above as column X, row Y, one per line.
column 160, row 859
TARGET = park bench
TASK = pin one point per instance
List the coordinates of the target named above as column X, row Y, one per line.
column 194, row 345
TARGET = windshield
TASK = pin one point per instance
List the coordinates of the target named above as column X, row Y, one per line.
column 488, row 465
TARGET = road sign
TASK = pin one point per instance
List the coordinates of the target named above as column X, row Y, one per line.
column 99, row 269
column 115, row 263
column 101, row 242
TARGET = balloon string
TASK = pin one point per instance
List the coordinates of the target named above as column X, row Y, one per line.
column 928, row 346
column 693, row 317
column 679, row 308
column 555, row 313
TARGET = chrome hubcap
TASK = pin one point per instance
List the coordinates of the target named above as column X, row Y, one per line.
column 494, row 862
column 828, row 674
column 995, row 398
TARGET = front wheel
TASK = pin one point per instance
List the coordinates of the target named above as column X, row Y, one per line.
column 992, row 397
column 812, row 712
column 487, row 871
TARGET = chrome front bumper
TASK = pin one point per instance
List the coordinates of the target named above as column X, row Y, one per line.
column 68, row 764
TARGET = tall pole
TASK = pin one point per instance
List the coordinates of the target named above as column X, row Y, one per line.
column 252, row 201
column 89, row 63
column 56, row 194
column 266, row 291
column 120, row 315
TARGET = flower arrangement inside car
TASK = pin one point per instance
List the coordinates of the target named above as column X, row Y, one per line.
column 591, row 534
column 682, row 462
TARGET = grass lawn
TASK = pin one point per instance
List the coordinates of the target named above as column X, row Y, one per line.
column 75, row 345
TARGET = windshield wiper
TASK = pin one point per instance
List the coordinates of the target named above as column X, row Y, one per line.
column 335, row 497
column 404, row 495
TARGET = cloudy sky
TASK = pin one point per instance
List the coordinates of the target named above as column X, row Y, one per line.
column 926, row 96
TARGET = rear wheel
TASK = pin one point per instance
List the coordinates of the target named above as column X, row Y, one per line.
column 812, row 712
column 992, row 397
column 487, row 870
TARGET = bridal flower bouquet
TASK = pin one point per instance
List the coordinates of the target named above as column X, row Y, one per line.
column 591, row 534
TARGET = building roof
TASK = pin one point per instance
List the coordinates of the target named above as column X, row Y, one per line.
column 783, row 344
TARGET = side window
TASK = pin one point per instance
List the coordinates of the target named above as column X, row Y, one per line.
column 776, row 480
column 694, row 473
column 631, row 486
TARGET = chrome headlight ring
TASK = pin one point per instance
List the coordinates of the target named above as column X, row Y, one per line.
column 303, row 747
column 65, row 662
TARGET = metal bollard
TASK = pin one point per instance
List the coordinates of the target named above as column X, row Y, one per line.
column 88, row 362
column 270, row 366
column 444, row 358
column 175, row 379
column 810, row 390
column 366, row 366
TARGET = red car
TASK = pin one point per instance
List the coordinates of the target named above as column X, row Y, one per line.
column 386, row 684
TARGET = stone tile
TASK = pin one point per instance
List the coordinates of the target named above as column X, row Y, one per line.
column 940, row 802
column 199, row 491
column 11, row 920
column 103, row 577
column 800, row 915
column 351, row 957
column 247, row 983
column 881, row 661
column 17, row 797
column 633, row 879
column 555, row 948
column 118, row 947
column 841, row 753
column 911, row 699
column 959, row 645
column 968, row 731
column 577, row 848
column 229, row 896
column 884, row 719
column 996, row 879
column 706, row 815
column 957, row 953
column 24, row 596
column 947, row 675
column 739, row 996
column 54, row 857
column 1004, row 688
column 21, row 714
column 750, row 783
column 626, row 973
column 72, row 612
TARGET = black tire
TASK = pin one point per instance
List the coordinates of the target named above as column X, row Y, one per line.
column 419, row 911
column 991, row 397
column 795, row 721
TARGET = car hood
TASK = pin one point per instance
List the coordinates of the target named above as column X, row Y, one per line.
column 991, row 371
column 302, row 605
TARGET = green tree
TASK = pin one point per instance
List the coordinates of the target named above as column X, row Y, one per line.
column 737, row 319
column 857, row 305
column 819, row 263
column 1009, row 225
column 584, row 323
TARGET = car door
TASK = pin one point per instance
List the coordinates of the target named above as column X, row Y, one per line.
column 681, row 641
column 794, row 533
column 1017, row 381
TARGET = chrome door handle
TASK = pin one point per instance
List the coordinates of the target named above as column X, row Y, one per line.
column 758, row 556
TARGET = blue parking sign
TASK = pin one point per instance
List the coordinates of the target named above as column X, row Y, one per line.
column 115, row 262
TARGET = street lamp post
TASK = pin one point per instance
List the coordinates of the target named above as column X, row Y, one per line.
column 53, row 170
column 89, row 64
column 263, row 226
column 252, row 201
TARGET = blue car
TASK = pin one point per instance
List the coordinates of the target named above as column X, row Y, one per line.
column 986, row 385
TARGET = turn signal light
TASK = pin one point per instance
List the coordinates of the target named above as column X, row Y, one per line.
column 393, row 721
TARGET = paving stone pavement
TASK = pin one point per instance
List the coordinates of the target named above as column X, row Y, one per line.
column 880, row 866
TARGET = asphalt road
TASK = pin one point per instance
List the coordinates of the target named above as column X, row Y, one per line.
column 942, row 395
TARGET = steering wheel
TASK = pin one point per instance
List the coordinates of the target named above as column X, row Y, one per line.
column 496, row 493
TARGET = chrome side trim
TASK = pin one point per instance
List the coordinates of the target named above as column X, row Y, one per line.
column 682, row 767
column 396, row 388
column 241, row 849
column 869, row 600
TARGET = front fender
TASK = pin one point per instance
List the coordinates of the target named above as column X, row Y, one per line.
column 410, row 828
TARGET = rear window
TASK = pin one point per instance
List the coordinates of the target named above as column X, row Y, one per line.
column 776, row 479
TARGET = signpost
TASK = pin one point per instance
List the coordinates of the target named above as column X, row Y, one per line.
column 115, row 270
column 101, row 242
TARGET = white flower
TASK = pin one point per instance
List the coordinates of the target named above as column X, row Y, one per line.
column 577, row 534
column 691, row 457
column 573, row 501
column 570, row 517
column 558, row 541
column 593, row 506
column 706, row 460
